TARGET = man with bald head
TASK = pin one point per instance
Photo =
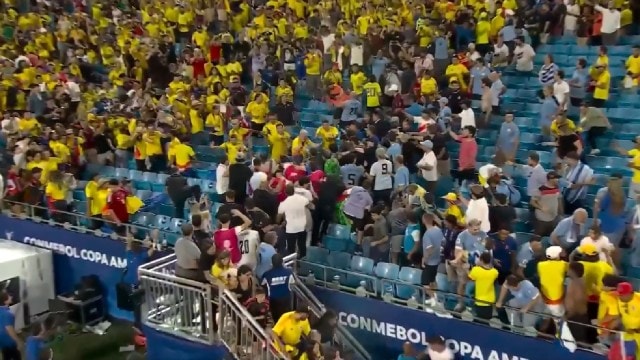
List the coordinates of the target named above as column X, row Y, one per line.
column 528, row 257
column 571, row 230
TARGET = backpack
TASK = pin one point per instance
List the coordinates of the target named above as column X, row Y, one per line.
column 507, row 188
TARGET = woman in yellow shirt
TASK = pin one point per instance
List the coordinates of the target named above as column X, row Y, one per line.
column 56, row 192
column 221, row 267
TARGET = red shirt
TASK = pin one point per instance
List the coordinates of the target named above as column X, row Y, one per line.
column 215, row 50
column 198, row 67
column 117, row 202
column 274, row 183
column 316, row 177
column 228, row 239
column 468, row 153
column 293, row 173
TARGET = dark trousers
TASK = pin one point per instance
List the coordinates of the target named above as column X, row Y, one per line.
column 466, row 174
column 297, row 239
column 321, row 219
column 11, row 353
column 382, row 196
column 569, row 208
column 158, row 163
column 598, row 103
column 179, row 205
column 141, row 165
column 484, row 313
column 592, row 134
column 279, row 307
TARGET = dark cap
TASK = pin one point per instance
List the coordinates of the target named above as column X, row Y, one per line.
column 553, row 175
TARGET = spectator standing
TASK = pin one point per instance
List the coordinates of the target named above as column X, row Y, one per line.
column 478, row 208
column 10, row 342
column 525, row 304
column 239, row 175
column 551, row 273
column 293, row 210
column 484, row 275
column 578, row 176
column 579, row 83
column 569, row 230
column 376, row 246
column 277, row 281
column 609, row 209
column 508, row 141
column 610, row 23
column 575, row 304
column 548, row 110
column 548, row 205
column 523, row 55
column 561, row 90
column 468, row 153
column 601, row 83
column 188, row 255
column 178, row 191
column 290, row 329
column 432, row 242
column 528, row 258
column 428, row 166
column 266, row 250
column 504, row 252
column 548, row 71
column 469, row 245
column 382, row 173
column 594, row 123
column 222, row 175
column 117, row 207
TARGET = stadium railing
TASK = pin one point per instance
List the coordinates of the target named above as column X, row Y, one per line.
column 387, row 290
column 303, row 295
column 190, row 310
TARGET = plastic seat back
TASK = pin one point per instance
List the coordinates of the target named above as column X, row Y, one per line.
column 387, row 270
column 176, row 224
column 362, row 264
column 317, row 255
column 161, row 222
column 339, row 260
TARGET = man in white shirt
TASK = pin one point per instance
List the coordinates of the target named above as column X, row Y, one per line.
column 500, row 54
column 478, row 208
column 428, row 166
column 256, row 179
column 293, row 210
column 249, row 242
column 523, row 55
column 222, row 176
column 382, row 173
column 467, row 116
column 561, row 89
column 610, row 23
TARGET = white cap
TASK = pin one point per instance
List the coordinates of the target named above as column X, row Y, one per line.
column 393, row 87
column 553, row 252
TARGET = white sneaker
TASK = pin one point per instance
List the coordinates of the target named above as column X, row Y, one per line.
column 431, row 302
column 594, row 152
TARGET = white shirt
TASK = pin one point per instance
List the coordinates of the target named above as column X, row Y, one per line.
column 294, row 209
column 603, row 244
column 501, row 51
column 429, row 158
column 74, row 91
column 447, row 354
column 467, row 117
column 561, row 92
column 383, row 172
column 222, row 182
column 524, row 57
column 357, row 55
column 256, row 179
column 479, row 210
column 570, row 21
column 249, row 241
column 327, row 41
column 610, row 20
column 304, row 192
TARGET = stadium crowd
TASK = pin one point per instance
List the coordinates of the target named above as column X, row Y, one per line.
column 265, row 122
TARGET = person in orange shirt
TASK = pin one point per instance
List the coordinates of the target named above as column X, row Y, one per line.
column 608, row 301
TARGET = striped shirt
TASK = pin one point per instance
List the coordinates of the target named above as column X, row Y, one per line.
column 546, row 74
column 579, row 174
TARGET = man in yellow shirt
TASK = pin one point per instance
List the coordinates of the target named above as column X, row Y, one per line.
column 634, row 164
column 301, row 144
column 258, row 110
column 453, row 209
column 233, row 147
column 633, row 64
column 357, row 78
column 279, row 142
column 484, row 275
column 372, row 92
column 552, row 273
column 457, row 71
column 628, row 314
column 96, row 193
column 313, row 63
column 601, row 83
column 327, row 133
column 181, row 155
column 428, row 85
column 290, row 328
column 152, row 139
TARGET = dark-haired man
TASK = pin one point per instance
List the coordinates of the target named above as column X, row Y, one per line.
column 10, row 343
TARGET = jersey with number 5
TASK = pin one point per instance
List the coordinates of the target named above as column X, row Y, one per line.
column 249, row 241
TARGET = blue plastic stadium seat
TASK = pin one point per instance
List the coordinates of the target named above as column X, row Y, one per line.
column 208, row 186
column 339, row 231
column 522, row 214
column 167, row 210
column 338, row 260
column 150, row 177
column 136, row 175
column 546, row 157
column 362, row 264
column 335, row 243
column 79, row 194
column 193, row 181
column 158, row 187
column 171, row 238
column 176, row 224
column 121, row 173
column 529, row 138
column 108, row 171
column 161, row 222
column 411, row 276
column 214, row 208
column 523, row 122
column 577, row 50
column 143, row 219
column 142, row 185
column 79, row 207
column 161, row 178
column 143, row 194
column 523, row 237
column 317, row 255
column 387, row 270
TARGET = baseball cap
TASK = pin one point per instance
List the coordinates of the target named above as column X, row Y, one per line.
column 553, row 252
column 443, row 100
column 427, row 143
column 451, row 197
column 588, row 249
column 380, row 152
column 624, row 288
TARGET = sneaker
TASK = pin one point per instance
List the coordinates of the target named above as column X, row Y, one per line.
column 459, row 308
column 594, row 152
column 431, row 302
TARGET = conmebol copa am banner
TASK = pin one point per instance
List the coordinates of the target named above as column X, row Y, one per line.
column 74, row 255
column 382, row 328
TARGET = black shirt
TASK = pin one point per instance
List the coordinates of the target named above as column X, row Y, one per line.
column 226, row 208
column 439, row 144
column 101, row 142
column 566, row 144
column 267, row 202
column 501, row 216
column 284, row 112
column 382, row 128
column 239, row 175
column 455, row 99
column 176, row 185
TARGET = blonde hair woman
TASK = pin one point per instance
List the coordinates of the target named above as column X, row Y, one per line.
column 609, row 209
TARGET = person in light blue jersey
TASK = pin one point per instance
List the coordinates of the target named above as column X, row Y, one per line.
column 402, row 177
column 266, row 250
column 351, row 111
column 10, row 343
column 350, row 172
column 411, row 242
column 478, row 72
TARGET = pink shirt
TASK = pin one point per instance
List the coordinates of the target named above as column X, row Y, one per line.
column 468, row 152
